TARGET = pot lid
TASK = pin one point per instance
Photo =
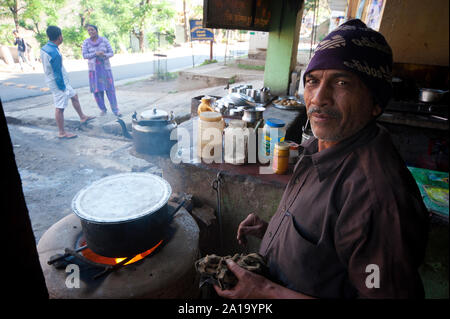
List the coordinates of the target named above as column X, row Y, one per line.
column 121, row 197
column 154, row 114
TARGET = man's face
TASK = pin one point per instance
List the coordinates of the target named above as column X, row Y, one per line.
column 338, row 104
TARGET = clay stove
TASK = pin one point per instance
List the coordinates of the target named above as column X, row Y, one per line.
column 166, row 272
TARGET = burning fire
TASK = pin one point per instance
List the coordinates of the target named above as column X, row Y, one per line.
column 140, row 256
column 89, row 254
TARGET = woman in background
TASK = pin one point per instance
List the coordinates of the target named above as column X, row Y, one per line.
column 97, row 51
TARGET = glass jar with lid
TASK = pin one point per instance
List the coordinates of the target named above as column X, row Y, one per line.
column 280, row 158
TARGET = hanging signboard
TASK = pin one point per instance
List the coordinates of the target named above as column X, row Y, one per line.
column 200, row 33
column 237, row 14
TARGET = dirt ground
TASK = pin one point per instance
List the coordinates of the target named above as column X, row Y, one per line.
column 53, row 170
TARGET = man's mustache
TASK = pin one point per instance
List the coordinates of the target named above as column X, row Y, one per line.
column 321, row 110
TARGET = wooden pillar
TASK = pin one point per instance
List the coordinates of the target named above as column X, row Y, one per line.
column 22, row 277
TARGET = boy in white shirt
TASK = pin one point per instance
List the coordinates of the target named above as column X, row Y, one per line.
column 57, row 80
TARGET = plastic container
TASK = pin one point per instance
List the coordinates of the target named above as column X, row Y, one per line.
column 205, row 105
column 280, row 158
column 236, row 142
column 274, row 131
column 210, row 122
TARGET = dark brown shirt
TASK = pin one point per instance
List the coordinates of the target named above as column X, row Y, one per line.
column 345, row 209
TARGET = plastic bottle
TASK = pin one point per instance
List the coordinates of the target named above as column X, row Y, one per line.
column 206, row 122
column 274, row 131
column 236, row 142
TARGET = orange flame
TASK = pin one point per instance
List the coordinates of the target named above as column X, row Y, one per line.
column 89, row 254
column 140, row 256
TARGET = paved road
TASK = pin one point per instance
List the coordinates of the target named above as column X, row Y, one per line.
column 16, row 86
column 33, row 83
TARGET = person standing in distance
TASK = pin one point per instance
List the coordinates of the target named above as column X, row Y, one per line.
column 57, row 80
column 97, row 51
column 21, row 50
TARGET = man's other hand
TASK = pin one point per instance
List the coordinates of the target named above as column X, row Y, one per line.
column 252, row 225
column 249, row 286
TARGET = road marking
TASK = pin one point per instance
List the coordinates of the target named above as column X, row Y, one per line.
column 29, row 87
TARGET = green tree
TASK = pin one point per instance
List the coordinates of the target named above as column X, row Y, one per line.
column 139, row 16
column 39, row 14
column 6, row 36
column 13, row 9
column 190, row 11
column 32, row 15
column 73, row 38
column 95, row 12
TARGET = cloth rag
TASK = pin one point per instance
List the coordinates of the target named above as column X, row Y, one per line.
column 213, row 269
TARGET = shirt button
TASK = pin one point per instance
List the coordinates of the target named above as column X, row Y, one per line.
column 270, row 234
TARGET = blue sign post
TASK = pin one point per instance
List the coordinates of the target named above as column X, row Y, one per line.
column 200, row 33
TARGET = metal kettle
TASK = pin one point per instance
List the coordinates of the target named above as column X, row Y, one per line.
column 151, row 131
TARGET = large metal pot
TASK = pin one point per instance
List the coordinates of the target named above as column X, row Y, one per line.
column 431, row 95
column 151, row 131
column 125, row 214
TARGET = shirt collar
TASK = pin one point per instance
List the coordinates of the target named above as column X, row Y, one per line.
column 328, row 160
column 52, row 44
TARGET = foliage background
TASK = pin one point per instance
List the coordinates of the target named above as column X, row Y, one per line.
column 120, row 21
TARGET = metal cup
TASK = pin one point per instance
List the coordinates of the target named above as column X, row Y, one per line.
column 251, row 93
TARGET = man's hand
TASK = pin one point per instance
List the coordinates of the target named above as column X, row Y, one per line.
column 250, row 285
column 254, row 286
column 252, row 225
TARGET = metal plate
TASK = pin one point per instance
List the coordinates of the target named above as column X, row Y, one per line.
column 288, row 107
column 121, row 197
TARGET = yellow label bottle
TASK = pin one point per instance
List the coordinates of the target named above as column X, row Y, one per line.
column 280, row 158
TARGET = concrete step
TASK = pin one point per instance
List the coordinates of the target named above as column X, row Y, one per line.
column 251, row 62
column 216, row 74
